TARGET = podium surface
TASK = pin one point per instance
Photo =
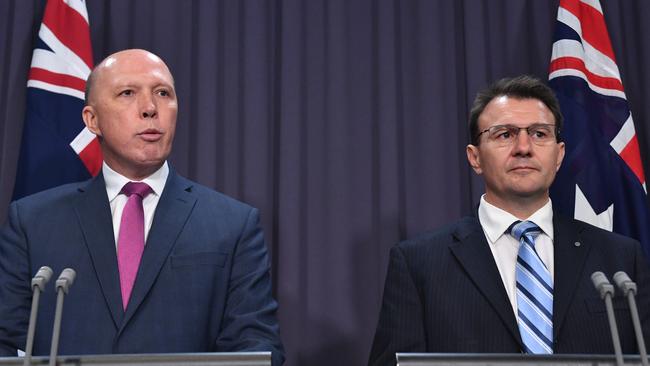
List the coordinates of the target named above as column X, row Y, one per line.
column 166, row 359
column 484, row 359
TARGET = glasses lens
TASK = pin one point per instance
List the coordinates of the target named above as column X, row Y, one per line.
column 542, row 133
column 506, row 134
column 503, row 134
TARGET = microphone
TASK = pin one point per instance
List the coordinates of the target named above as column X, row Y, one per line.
column 42, row 277
column 606, row 291
column 63, row 283
column 628, row 287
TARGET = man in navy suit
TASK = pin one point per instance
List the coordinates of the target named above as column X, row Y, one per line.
column 178, row 268
column 481, row 285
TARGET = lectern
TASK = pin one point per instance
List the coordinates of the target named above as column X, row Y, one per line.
column 465, row 359
column 167, row 359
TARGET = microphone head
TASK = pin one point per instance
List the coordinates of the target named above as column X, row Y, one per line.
column 42, row 277
column 602, row 284
column 624, row 282
column 66, row 279
column 621, row 277
column 599, row 279
column 45, row 273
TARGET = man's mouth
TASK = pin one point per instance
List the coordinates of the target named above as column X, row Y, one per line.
column 151, row 135
column 523, row 169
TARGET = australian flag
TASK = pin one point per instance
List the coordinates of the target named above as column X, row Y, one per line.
column 601, row 180
column 56, row 147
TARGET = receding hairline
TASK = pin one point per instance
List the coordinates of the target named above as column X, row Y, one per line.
column 96, row 71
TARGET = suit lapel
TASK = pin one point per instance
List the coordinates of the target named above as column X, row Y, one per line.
column 94, row 216
column 473, row 253
column 172, row 211
column 569, row 259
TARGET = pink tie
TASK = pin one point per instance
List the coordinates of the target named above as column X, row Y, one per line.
column 130, row 242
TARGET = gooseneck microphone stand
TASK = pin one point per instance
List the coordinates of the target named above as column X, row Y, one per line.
column 606, row 290
column 63, row 284
column 628, row 287
column 41, row 278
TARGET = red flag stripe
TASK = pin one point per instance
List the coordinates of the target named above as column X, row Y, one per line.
column 578, row 64
column 49, row 77
column 594, row 29
column 91, row 156
column 70, row 28
column 632, row 157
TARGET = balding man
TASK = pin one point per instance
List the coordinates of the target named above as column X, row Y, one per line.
column 163, row 264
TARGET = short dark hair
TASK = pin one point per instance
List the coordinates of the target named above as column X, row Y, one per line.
column 519, row 87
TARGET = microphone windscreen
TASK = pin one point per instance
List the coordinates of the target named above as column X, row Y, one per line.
column 624, row 282
column 66, row 278
column 620, row 278
column 41, row 278
column 44, row 273
column 599, row 279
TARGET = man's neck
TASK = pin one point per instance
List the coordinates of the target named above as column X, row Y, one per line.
column 136, row 175
column 521, row 208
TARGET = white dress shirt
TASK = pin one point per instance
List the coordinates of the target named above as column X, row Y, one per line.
column 115, row 182
column 505, row 247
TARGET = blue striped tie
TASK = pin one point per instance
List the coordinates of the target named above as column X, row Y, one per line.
column 534, row 292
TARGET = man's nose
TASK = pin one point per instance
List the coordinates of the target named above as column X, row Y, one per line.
column 148, row 107
column 522, row 143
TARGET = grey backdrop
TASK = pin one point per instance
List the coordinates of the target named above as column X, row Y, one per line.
column 344, row 121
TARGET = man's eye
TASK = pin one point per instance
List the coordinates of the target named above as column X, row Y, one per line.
column 163, row 93
column 127, row 92
column 503, row 134
column 540, row 133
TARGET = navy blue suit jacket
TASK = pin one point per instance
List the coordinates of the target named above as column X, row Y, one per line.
column 444, row 294
column 203, row 284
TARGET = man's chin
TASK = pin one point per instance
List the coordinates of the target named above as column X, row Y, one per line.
column 149, row 159
column 529, row 193
column 148, row 164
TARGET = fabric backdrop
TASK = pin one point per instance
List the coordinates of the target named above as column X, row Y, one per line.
column 344, row 121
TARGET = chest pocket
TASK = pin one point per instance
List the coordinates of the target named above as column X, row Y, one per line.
column 596, row 306
column 199, row 259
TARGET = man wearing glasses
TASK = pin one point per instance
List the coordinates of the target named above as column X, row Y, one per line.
column 515, row 277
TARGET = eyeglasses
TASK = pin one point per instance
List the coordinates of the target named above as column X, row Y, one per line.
column 505, row 135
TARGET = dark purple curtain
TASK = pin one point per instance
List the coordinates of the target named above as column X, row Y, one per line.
column 344, row 121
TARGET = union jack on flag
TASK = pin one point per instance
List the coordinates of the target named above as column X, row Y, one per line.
column 56, row 147
column 601, row 180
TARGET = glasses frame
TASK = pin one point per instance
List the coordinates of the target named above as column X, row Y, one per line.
column 554, row 128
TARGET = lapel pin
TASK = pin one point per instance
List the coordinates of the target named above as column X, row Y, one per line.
column 577, row 244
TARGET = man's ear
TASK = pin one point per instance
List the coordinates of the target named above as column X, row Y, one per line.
column 89, row 116
column 560, row 156
column 473, row 158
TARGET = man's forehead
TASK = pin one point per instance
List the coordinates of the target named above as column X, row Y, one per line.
column 132, row 56
column 137, row 76
column 513, row 101
column 127, row 64
column 505, row 106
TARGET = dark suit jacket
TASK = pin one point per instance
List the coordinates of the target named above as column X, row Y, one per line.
column 203, row 284
column 443, row 293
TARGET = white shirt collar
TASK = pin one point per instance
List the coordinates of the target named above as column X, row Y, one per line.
column 115, row 181
column 496, row 221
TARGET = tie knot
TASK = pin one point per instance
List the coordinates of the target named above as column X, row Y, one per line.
column 521, row 229
column 139, row 188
